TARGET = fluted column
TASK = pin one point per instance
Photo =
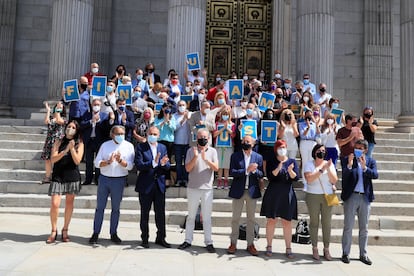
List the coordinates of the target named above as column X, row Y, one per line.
column 406, row 119
column 315, row 40
column 101, row 34
column 70, row 42
column 378, row 58
column 281, row 36
column 7, row 26
column 186, row 27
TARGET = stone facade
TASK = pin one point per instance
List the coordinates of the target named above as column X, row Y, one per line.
column 362, row 64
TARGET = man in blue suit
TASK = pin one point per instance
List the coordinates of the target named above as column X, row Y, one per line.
column 246, row 167
column 123, row 117
column 357, row 194
column 95, row 131
column 152, row 163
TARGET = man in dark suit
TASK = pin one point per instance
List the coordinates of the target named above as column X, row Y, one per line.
column 123, row 117
column 152, row 162
column 357, row 194
column 246, row 167
column 95, row 131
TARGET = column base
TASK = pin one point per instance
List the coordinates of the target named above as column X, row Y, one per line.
column 405, row 125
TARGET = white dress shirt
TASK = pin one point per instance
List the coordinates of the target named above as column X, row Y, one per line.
column 115, row 169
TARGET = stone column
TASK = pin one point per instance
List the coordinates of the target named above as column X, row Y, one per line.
column 406, row 119
column 378, row 58
column 281, row 36
column 315, row 41
column 70, row 42
column 7, row 26
column 186, row 32
column 101, row 34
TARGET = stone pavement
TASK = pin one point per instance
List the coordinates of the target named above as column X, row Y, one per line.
column 23, row 251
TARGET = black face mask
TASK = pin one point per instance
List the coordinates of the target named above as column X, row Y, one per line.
column 83, row 86
column 202, row 141
column 279, row 96
column 150, row 71
column 368, row 115
column 320, row 155
column 269, row 116
column 322, row 89
column 246, row 146
column 119, row 71
column 299, row 90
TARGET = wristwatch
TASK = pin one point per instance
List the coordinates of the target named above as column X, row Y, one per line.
column 321, row 171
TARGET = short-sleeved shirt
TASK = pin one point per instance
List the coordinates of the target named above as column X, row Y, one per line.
column 348, row 148
column 315, row 187
column 201, row 176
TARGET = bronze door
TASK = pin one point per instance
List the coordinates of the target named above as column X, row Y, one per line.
column 238, row 37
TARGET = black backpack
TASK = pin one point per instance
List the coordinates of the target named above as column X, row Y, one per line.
column 242, row 231
column 302, row 235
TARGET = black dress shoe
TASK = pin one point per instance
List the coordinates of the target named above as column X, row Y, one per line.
column 94, row 239
column 115, row 239
column 163, row 243
column 145, row 244
column 345, row 259
column 184, row 245
column 86, row 183
column 365, row 260
column 210, row 248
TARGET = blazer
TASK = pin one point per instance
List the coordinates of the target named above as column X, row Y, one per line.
column 238, row 171
column 101, row 128
column 148, row 176
column 350, row 179
column 157, row 78
column 129, row 124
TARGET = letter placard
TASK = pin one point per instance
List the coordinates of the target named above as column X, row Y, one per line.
column 338, row 114
column 186, row 98
column 195, row 130
column 295, row 109
column 236, row 89
column 266, row 101
column 193, row 60
column 269, row 131
column 71, row 90
column 158, row 107
column 98, row 86
column 224, row 139
column 249, row 128
column 125, row 92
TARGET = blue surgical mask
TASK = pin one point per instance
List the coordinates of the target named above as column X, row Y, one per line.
column 249, row 111
column 109, row 89
column 335, row 105
column 287, row 85
column 121, row 108
column 152, row 139
column 182, row 108
column 139, row 77
column 358, row 153
column 220, row 101
column 225, row 117
column 137, row 94
column 119, row 138
column 306, row 82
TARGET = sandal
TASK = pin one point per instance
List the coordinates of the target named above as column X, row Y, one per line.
column 326, row 254
column 65, row 238
column 269, row 252
column 289, row 253
column 315, row 254
column 52, row 238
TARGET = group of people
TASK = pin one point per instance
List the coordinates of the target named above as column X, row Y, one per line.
column 112, row 137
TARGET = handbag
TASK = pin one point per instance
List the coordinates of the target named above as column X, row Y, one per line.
column 331, row 199
column 302, row 235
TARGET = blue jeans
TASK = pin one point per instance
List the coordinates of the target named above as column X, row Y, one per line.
column 180, row 153
column 115, row 187
column 370, row 149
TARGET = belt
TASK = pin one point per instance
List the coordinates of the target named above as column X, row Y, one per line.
column 114, row 176
column 359, row 193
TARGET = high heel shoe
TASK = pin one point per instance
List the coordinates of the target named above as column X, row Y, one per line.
column 65, row 238
column 315, row 253
column 326, row 254
column 289, row 253
column 52, row 238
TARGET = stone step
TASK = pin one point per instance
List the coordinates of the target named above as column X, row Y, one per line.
column 393, row 149
column 20, row 154
column 23, row 145
column 395, row 165
column 395, row 142
column 220, row 205
column 12, row 128
column 394, row 135
column 22, row 136
column 393, row 157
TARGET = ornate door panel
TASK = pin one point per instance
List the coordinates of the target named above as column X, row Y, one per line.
column 238, row 37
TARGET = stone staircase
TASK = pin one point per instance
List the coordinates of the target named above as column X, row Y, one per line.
column 392, row 213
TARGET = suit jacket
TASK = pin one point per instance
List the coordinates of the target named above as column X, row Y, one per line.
column 157, row 78
column 129, row 124
column 148, row 176
column 238, row 171
column 350, row 179
column 101, row 128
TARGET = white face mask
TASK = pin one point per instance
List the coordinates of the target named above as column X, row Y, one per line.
column 243, row 104
column 201, row 97
column 188, row 89
column 330, row 121
column 278, row 76
column 70, row 131
column 245, row 78
column 281, row 151
column 95, row 70
column 305, row 99
column 181, row 109
column 96, row 108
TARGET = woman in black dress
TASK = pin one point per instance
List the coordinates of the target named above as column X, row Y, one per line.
column 66, row 155
column 279, row 200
